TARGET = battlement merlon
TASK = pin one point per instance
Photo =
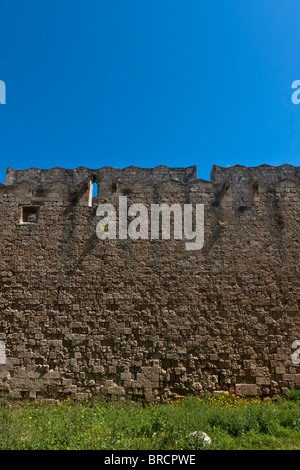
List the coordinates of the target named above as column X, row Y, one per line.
column 238, row 174
column 106, row 175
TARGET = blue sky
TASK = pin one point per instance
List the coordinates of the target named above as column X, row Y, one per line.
column 146, row 83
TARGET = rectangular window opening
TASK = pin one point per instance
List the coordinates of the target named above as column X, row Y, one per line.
column 95, row 189
column 93, row 192
column 29, row 215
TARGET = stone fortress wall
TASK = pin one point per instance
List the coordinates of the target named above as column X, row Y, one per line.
column 147, row 318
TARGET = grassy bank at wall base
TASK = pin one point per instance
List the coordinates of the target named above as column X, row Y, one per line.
column 231, row 422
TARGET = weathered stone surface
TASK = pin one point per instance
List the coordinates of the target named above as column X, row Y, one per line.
column 147, row 318
column 247, row 389
column 2, row 353
column 201, row 436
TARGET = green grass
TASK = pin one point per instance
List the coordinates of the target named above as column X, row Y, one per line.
column 231, row 423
